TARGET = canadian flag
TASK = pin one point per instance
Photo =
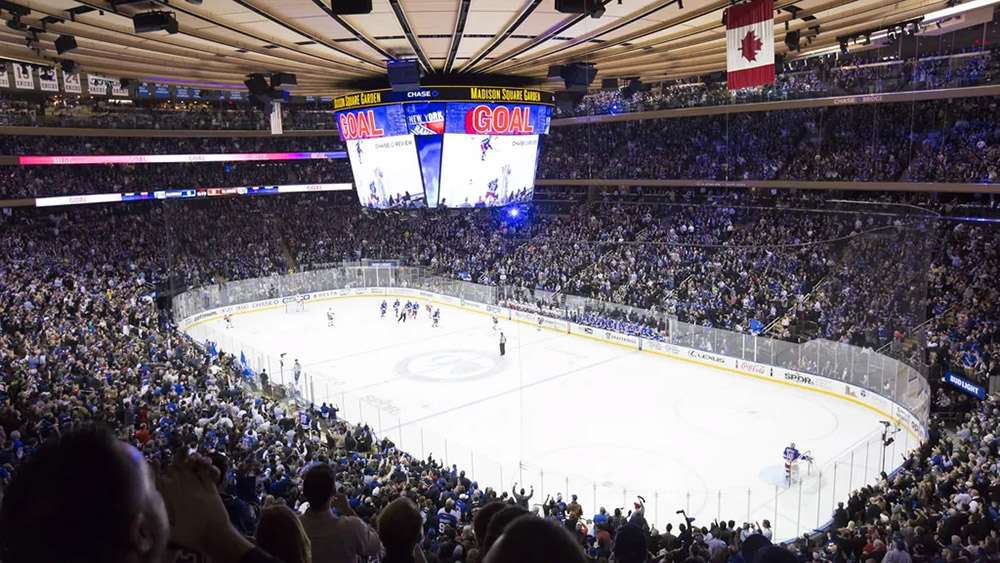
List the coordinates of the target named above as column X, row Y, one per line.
column 750, row 44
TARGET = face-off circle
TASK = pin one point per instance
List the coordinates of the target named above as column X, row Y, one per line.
column 448, row 365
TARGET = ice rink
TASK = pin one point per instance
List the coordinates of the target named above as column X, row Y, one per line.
column 567, row 414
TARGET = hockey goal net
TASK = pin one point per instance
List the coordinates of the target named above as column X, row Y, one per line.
column 295, row 304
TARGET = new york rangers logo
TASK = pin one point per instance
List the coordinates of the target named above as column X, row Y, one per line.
column 429, row 123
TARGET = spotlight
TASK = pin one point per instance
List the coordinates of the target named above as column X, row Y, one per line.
column 148, row 22
column 65, row 44
column 513, row 212
column 15, row 24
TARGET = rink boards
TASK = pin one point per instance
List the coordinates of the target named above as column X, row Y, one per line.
column 883, row 406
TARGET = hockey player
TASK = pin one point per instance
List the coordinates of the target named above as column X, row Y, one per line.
column 540, row 321
column 435, row 317
column 484, row 146
column 791, row 455
column 401, row 317
column 414, row 310
column 382, row 308
column 395, row 308
column 229, row 320
column 496, row 324
column 491, row 192
column 329, row 317
column 503, row 344
column 429, row 310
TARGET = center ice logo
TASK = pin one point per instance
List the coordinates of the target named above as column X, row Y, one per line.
column 448, row 365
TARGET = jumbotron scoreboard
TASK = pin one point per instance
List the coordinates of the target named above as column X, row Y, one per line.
column 447, row 146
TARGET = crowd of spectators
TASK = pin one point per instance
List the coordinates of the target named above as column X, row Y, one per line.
column 47, row 145
column 785, row 266
column 70, row 179
column 84, row 342
column 98, row 113
column 829, row 75
column 43, row 181
column 239, row 459
column 952, row 140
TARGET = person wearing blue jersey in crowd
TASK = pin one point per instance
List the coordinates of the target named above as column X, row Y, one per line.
column 448, row 517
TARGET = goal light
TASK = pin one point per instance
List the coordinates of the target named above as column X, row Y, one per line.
column 513, row 212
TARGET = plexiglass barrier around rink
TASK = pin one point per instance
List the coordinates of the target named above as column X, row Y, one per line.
column 792, row 509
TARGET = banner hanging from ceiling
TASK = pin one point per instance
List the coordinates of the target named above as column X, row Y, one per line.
column 750, row 44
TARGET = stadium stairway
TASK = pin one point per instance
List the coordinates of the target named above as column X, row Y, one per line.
column 286, row 251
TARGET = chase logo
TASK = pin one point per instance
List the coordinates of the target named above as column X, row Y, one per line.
column 419, row 94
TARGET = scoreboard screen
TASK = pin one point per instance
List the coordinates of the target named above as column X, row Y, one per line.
column 444, row 146
column 486, row 170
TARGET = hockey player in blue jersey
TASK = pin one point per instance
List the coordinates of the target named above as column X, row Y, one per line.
column 436, row 317
column 395, row 308
column 383, row 307
column 791, row 455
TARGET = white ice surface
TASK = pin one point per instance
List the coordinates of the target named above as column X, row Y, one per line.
column 571, row 415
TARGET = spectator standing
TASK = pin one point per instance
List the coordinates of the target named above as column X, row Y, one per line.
column 520, row 498
column 897, row 554
column 280, row 532
column 335, row 538
column 88, row 497
column 399, row 529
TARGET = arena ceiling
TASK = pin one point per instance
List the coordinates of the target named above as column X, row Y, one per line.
column 221, row 41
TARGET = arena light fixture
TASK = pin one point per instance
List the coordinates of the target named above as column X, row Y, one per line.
column 958, row 9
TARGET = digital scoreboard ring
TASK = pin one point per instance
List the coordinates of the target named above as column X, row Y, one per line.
column 449, row 146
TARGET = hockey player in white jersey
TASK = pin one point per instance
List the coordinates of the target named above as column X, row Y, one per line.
column 329, row 317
